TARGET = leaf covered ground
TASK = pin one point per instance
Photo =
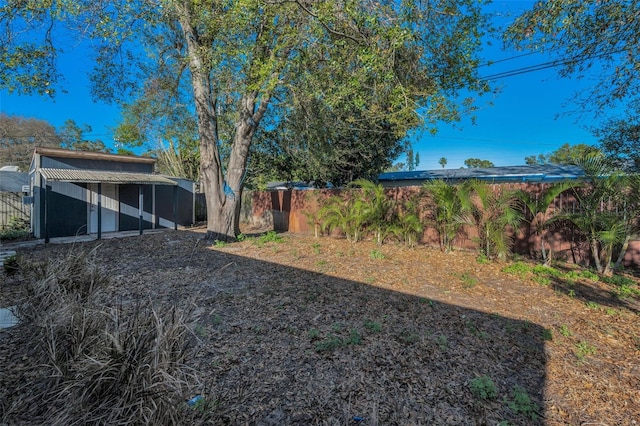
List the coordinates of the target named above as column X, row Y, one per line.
column 291, row 329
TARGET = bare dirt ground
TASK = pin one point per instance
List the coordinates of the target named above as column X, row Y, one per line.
column 322, row 331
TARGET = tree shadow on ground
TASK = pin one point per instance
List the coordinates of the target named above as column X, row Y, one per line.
column 281, row 345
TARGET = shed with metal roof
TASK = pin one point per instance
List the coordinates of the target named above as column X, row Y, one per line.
column 78, row 192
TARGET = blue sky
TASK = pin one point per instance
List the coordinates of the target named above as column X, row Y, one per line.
column 523, row 119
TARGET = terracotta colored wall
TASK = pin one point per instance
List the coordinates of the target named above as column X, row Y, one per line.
column 289, row 211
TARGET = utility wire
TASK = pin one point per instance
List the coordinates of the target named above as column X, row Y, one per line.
column 550, row 64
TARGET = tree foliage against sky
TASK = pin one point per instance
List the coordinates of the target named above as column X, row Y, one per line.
column 393, row 65
column 73, row 137
column 565, row 155
column 19, row 136
column 586, row 35
column 619, row 139
column 474, row 163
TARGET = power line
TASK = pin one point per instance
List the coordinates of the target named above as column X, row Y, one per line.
column 489, row 63
column 549, row 64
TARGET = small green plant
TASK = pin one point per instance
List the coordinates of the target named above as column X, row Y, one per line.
column 269, row 237
column 564, row 330
column 468, row 281
column 589, row 275
column 336, row 327
column 216, row 320
column 483, row 388
column 521, row 403
column 611, row 311
column 519, row 269
column 547, row 335
column 11, row 264
column 571, row 276
column 219, row 244
column 442, row 342
column 204, row 406
column 199, row 330
column 408, row 337
column 482, row 259
column 376, row 254
column 625, row 287
column 571, row 293
column 355, row 338
column 316, row 248
column 373, row 326
column 592, row 305
column 584, row 349
column 314, row 334
column 17, row 229
column 546, row 270
column 241, row 237
column 329, row 344
column 542, row 280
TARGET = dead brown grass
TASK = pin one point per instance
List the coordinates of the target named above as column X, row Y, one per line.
column 93, row 362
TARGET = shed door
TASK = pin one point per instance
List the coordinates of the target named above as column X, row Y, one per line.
column 109, row 207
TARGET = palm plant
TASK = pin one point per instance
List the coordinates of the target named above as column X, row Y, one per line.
column 541, row 213
column 494, row 213
column 347, row 215
column 608, row 209
column 377, row 208
column 446, row 211
column 630, row 216
column 408, row 224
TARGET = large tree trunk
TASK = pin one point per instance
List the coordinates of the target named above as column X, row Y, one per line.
column 224, row 200
column 223, row 193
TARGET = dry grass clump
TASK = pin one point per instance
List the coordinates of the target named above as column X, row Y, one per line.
column 95, row 363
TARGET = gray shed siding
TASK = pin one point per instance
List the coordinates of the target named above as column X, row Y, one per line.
column 69, row 210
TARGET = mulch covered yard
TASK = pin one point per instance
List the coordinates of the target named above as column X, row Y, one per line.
column 298, row 330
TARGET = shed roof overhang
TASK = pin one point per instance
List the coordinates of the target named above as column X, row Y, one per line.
column 91, row 155
column 99, row 176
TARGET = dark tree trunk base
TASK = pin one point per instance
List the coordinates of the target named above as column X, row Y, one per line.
column 218, row 236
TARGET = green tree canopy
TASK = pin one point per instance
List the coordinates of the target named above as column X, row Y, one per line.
column 474, row 163
column 620, row 139
column 586, row 35
column 566, row 154
column 398, row 64
column 73, row 137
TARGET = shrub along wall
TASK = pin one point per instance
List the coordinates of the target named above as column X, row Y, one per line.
column 291, row 211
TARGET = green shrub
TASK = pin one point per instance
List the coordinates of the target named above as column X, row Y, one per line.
column 546, row 270
column 521, row 403
column 373, row 326
column 14, row 235
column 483, row 387
column 11, row 264
column 17, row 229
column 624, row 286
column 270, row 237
column 329, row 344
column 520, row 269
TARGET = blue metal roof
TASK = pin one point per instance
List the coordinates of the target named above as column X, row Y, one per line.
column 538, row 173
column 13, row 181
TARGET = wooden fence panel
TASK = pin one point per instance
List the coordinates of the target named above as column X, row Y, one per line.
column 11, row 207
